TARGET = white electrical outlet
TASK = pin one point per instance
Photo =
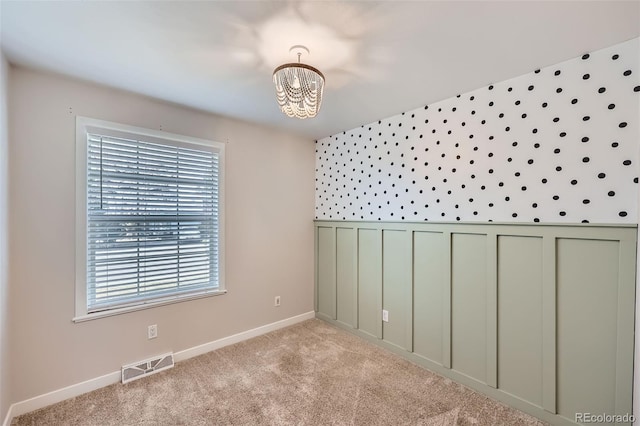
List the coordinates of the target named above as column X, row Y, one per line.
column 385, row 315
column 276, row 301
column 152, row 331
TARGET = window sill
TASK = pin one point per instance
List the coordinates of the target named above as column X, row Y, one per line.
column 148, row 305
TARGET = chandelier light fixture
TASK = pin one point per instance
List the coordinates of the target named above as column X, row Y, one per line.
column 298, row 87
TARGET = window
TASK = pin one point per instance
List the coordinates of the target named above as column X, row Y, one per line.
column 149, row 218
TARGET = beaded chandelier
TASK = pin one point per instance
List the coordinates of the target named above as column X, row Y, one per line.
column 298, row 88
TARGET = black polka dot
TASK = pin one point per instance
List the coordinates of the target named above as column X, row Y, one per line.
column 346, row 190
column 585, row 56
column 622, row 214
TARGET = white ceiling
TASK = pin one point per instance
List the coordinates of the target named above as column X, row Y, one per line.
column 379, row 58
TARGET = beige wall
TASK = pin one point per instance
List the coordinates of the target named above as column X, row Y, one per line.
column 4, row 283
column 269, row 234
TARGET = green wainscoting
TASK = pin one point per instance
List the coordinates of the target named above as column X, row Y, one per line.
column 540, row 317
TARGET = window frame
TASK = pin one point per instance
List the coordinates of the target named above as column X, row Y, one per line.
column 84, row 126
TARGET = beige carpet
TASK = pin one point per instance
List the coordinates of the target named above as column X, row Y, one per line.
column 309, row 374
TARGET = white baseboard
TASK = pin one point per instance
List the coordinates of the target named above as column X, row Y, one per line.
column 245, row 335
column 8, row 417
column 53, row 397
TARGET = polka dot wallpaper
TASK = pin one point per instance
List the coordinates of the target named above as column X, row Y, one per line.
column 557, row 145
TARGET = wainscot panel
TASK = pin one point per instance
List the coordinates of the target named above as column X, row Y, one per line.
column 540, row 317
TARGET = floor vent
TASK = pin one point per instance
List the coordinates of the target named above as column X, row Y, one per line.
column 147, row 367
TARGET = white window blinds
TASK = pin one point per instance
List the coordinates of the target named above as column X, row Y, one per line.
column 152, row 221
